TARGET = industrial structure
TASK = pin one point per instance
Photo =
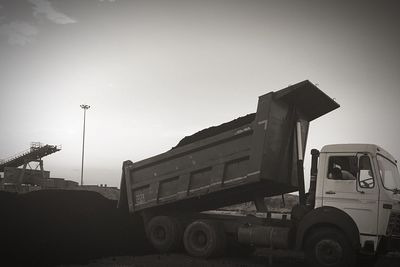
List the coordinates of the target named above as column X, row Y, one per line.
column 32, row 175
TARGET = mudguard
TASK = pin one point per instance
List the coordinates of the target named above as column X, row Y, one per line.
column 327, row 216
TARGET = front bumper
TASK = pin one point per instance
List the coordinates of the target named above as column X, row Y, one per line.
column 393, row 243
column 393, row 231
column 393, row 228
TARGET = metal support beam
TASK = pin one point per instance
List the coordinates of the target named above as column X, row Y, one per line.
column 260, row 204
column 300, row 165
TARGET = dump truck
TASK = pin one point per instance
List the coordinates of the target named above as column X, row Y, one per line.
column 352, row 206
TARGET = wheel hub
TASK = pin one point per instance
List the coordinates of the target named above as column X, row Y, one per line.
column 159, row 233
column 328, row 251
column 200, row 239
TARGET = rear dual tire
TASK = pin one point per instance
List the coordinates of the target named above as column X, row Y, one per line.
column 204, row 239
column 165, row 233
column 201, row 238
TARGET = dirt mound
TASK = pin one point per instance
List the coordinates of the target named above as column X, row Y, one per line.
column 214, row 130
column 51, row 227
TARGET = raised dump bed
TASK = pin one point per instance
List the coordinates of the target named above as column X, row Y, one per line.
column 254, row 156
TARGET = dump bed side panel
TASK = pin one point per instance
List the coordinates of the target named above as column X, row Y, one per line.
column 220, row 162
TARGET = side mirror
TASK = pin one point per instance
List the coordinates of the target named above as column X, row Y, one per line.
column 365, row 177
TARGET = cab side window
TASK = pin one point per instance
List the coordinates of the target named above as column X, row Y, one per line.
column 342, row 167
column 366, row 178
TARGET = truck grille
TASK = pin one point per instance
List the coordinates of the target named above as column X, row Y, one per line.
column 393, row 228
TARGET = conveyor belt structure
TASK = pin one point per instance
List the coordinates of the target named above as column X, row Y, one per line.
column 35, row 152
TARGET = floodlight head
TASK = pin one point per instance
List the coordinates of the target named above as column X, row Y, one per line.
column 84, row 106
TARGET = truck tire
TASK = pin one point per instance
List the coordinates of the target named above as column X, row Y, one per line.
column 204, row 239
column 327, row 246
column 164, row 233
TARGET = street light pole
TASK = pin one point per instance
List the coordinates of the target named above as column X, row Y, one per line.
column 84, row 107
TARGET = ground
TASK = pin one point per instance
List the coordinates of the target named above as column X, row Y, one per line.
column 261, row 258
column 77, row 228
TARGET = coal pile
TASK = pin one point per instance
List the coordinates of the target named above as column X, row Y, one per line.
column 50, row 227
column 214, row 130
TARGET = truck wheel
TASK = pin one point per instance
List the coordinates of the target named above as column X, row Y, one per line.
column 164, row 233
column 204, row 239
column 329, row 247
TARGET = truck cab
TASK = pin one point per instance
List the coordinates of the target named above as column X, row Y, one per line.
column 363, row 181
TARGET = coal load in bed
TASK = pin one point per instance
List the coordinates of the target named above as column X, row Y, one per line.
column 214, row 130
column 51, row 227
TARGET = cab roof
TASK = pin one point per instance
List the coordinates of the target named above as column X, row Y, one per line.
column 354, row 148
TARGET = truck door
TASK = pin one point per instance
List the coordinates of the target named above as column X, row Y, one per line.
column 350, row 186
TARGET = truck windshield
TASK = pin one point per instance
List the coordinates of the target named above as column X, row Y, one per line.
column 389, row 174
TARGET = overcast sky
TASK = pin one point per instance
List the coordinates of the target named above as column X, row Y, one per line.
column 155, row 71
